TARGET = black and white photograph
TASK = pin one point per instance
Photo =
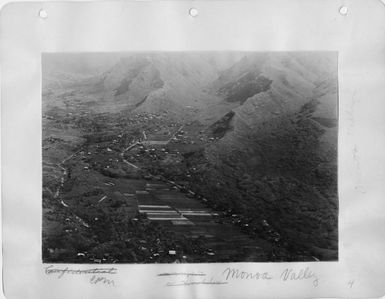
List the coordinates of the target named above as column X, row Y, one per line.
column 189, row 157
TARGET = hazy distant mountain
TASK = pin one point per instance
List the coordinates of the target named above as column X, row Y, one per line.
column 257, row 87
column 202, row 86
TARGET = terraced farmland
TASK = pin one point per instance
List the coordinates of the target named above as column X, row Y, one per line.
column 191, row 219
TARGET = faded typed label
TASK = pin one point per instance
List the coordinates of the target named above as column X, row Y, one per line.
column 99, row 275
column 232, row 274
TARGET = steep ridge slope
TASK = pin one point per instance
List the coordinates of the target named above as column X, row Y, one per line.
column 284, row 139
column 175, row 83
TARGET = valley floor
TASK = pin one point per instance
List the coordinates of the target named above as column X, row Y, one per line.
column 106, row 209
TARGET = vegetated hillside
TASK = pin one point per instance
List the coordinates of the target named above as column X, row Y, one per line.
column 178, row 83
column 175, row 82
column 223, row 125
column 282, row 149
column 247, row 86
